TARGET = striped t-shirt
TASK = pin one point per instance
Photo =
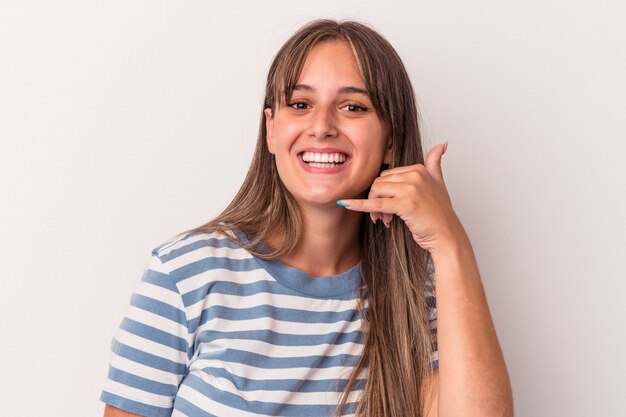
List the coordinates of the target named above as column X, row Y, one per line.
column 212, row 330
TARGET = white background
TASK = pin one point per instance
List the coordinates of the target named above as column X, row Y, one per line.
column 123, row 123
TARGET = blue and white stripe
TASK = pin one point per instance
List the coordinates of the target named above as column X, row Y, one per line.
column 213, row 331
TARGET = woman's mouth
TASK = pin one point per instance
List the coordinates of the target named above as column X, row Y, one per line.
column 329, row 162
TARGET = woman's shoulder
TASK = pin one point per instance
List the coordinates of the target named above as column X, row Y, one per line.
column 196, row 260
column 189, row 246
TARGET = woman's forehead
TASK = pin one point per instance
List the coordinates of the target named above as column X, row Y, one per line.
column 333, row 55
column 329, row 64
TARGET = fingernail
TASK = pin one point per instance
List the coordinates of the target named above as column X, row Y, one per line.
column 343, row 203
column 445, row 147
column 386, row 224
column 372, row 218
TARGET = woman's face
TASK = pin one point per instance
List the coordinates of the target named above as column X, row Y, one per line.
column 328, row 140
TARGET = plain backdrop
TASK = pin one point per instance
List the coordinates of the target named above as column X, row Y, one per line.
column 124, row 123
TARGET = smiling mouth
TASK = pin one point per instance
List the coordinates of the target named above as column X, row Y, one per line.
column 323, row 160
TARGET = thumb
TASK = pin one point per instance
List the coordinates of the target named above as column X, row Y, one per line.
column 433, row 161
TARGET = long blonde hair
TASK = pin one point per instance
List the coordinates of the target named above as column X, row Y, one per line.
column 398, row 342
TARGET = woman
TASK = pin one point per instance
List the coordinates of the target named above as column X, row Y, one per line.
column 294, row 301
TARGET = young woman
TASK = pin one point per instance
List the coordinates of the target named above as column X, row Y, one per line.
column 312, row 293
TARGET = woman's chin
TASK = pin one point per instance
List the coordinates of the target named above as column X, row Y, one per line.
column 324, row 201
column 325, row 197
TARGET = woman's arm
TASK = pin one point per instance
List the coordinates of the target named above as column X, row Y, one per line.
column 473, row 379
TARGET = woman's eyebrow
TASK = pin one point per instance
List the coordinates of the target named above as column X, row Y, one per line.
column 342, row 90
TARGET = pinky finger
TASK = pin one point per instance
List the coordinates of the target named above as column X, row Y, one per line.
column 386, row 217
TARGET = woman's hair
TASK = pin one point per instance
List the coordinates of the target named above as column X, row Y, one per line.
column 398, row 341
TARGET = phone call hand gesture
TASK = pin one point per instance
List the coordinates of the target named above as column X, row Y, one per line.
column 418, row 195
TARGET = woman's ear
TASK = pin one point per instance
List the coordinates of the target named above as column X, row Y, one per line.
column 269, row 129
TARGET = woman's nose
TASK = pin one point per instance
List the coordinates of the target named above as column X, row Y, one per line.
column 323, row 123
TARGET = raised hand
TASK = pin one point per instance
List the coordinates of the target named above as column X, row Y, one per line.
column 417, row 194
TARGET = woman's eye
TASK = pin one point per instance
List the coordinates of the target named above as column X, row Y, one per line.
column 298, row 105
column 353, row 107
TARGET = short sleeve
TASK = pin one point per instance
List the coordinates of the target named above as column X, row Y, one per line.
column 431, row 302
column 149, row 352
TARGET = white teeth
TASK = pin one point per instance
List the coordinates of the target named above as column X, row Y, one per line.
column 323, row 157
column 320, row 165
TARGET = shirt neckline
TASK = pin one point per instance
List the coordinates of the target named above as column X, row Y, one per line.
column 298, row 280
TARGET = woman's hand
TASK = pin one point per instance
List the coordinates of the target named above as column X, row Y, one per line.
column 418, row 195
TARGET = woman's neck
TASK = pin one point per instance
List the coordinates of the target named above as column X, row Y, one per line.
column 329, row 244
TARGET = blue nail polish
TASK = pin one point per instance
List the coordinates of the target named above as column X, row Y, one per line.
column 340, row 203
